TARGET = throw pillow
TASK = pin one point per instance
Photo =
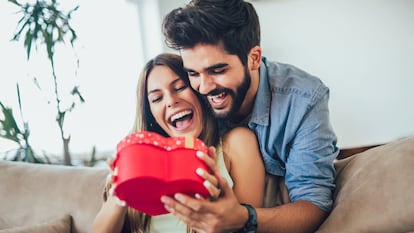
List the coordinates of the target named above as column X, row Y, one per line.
column 374, row 191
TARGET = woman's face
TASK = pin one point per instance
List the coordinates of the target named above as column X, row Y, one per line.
column 173, row 104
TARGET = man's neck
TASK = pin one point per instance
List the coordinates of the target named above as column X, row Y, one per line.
column 246, row 107
column 241, row 120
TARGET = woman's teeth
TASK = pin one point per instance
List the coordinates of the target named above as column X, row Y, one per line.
column 180, row 115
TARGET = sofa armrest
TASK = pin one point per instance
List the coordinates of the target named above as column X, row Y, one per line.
column 347, row 152
column 35, row 193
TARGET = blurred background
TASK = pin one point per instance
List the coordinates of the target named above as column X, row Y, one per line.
column 362, row 50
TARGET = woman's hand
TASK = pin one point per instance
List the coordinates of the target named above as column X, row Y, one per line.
column 210, row 180
column 110, row 179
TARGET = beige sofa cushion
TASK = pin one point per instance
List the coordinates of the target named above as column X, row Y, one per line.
column 375, row 191
column 35, row 193
column 59, row 225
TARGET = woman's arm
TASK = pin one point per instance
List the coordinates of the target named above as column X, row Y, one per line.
column 245, row 165
column 110, row 218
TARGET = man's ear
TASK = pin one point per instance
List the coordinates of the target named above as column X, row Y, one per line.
column 254, row 58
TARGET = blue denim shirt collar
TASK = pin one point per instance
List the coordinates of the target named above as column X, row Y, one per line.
column 261, row 110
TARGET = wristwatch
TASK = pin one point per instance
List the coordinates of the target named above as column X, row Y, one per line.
column 251, row 224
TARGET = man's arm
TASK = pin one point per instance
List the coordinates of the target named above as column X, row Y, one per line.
column 300, row 216
column 227, row 215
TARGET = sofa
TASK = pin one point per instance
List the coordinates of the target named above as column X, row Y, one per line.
column 43, row 198
column 374, row 193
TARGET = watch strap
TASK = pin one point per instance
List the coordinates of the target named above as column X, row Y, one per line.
column 251, row 225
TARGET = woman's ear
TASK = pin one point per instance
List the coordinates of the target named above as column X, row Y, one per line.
column 254, row 58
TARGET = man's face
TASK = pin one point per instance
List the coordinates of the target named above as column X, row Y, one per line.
column 218, row 76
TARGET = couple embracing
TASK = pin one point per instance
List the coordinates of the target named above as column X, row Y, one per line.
column 259, row 117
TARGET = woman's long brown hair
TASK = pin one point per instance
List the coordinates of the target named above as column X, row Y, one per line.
column 138, row 222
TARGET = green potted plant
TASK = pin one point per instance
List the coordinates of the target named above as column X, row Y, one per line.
column 10, row 130
column 43, row 24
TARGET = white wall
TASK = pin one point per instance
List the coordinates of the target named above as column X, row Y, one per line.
column 111, row 56
column 364, row 52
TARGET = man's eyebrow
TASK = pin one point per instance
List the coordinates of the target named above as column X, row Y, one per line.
column 217, row 66
column 213, row 67
column 188, row 70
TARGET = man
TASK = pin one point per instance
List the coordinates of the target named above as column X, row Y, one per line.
column 287, row 108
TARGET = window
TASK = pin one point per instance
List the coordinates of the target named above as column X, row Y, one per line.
column 111, row 54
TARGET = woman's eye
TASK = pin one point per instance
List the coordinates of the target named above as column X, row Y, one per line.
column 156, row 99
column 179, row 88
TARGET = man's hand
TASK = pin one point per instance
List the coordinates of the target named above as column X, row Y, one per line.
column 222, row 215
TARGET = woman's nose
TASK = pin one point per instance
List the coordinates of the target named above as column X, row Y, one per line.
column 172, row 100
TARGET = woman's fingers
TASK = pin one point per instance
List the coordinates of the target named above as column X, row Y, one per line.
column 111, row 163
column 210, row 179
column 209, row 159
column 210, row 183
column 213, row 190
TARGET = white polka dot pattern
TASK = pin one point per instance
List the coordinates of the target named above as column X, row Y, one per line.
column 155, row 139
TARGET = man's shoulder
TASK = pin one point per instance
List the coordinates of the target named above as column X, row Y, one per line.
column 288, row 79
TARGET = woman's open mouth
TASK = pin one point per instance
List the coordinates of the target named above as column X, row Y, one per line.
column 182, row 120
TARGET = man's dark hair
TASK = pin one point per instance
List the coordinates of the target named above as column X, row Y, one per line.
column 232, row 23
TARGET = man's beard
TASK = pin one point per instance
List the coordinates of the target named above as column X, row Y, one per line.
column 237, row 98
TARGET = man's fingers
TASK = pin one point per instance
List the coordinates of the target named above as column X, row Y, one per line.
column 185, row 213
column 175, row 206
column 188, row 204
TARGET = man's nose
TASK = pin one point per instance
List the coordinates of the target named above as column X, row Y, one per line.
column 207, row 84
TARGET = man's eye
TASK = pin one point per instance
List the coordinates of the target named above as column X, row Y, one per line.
column 218, row 71
column 193, row 74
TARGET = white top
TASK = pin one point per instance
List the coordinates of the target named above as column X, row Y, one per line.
column 171, row 224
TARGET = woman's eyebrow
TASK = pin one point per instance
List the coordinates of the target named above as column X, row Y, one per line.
column 172, row 83
column 153, row 91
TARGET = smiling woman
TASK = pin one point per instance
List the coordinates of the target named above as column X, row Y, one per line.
column 167, row 105
column 108, row 64
column 174, row 120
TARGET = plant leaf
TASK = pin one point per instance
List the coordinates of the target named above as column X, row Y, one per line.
column 75, row 92
column 28, row 43
column 15, row 2
column 8, row 125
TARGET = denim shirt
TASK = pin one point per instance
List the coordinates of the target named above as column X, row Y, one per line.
column 291, row 120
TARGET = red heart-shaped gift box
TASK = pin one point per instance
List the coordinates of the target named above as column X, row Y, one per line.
column 149, row 165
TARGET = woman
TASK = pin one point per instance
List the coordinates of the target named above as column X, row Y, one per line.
column 167, row 105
